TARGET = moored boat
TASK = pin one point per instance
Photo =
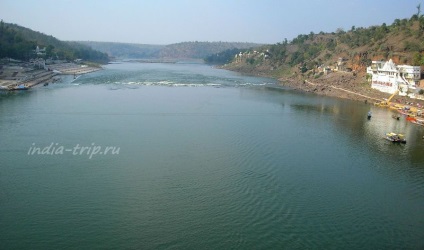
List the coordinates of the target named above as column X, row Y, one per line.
column 393, row 137
column 19, row 87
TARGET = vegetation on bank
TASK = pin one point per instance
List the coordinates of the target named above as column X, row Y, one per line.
column 20, row 43
column 201, row 50
column 223, row 57
column 402, row 41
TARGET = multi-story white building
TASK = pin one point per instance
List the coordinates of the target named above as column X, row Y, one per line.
column 389, row 78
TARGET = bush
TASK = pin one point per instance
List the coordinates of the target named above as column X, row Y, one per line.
column 368, row 76
column 319, row 75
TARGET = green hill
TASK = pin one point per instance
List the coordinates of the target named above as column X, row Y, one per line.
column 402, row 41
column 200, row 50
column 19, row 42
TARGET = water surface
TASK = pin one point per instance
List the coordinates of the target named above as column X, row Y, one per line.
column 207, row 159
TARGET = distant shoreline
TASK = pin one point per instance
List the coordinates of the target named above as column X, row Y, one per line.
column 162, row 60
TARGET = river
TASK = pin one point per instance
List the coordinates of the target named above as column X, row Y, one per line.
column 159, row 156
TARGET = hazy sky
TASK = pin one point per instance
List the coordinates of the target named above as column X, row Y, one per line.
column 173, row 21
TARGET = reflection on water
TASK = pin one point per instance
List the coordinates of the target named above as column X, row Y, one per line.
column 349, row 118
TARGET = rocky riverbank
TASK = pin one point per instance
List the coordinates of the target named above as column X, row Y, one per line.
column 353, row 86
column 347, row 85
column 25, row 75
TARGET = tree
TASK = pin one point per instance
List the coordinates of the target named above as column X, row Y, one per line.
column 384, row 27
column 420, row 25
column 418, row 59
column 396, row 23
column 1, row 27
column 49, row 50
column 340, row 31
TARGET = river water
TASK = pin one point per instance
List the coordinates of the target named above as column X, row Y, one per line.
column 159, row 156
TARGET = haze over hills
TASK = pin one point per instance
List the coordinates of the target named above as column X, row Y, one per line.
column 125, row 50
column 20, row 43
column 183, row 50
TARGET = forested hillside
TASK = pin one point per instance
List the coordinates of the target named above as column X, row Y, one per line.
column 19, row 43
column 402, row 41
column 200, row 50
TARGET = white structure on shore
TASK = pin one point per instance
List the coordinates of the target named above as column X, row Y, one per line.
column 389, row 78
column 40, row 52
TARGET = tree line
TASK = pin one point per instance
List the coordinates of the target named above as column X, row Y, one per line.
column 20, row 43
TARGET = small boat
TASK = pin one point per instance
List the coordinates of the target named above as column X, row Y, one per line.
column 19, row 87
column 369, row 115
column 411, row 119
column 393, row 137
column 46, row 84
column 397, row 117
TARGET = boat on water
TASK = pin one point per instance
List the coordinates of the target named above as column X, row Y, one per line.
column 369, row 115
column 393, row 137
column 397, row 117
column 410, row 118
column 19, row 87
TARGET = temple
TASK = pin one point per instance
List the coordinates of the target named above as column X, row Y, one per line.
column 390, row 78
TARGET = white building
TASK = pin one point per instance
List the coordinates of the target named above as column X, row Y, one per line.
column 387, row 77
column 40, row 52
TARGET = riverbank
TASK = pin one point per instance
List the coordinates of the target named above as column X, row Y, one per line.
column 346, row 85
column 25, row 75
column 72, row 68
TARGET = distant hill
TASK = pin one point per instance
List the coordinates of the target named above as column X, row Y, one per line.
column 402, row 41
column 184, row 50
column 126, row 50
column 200, row 50
column 19, row 42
